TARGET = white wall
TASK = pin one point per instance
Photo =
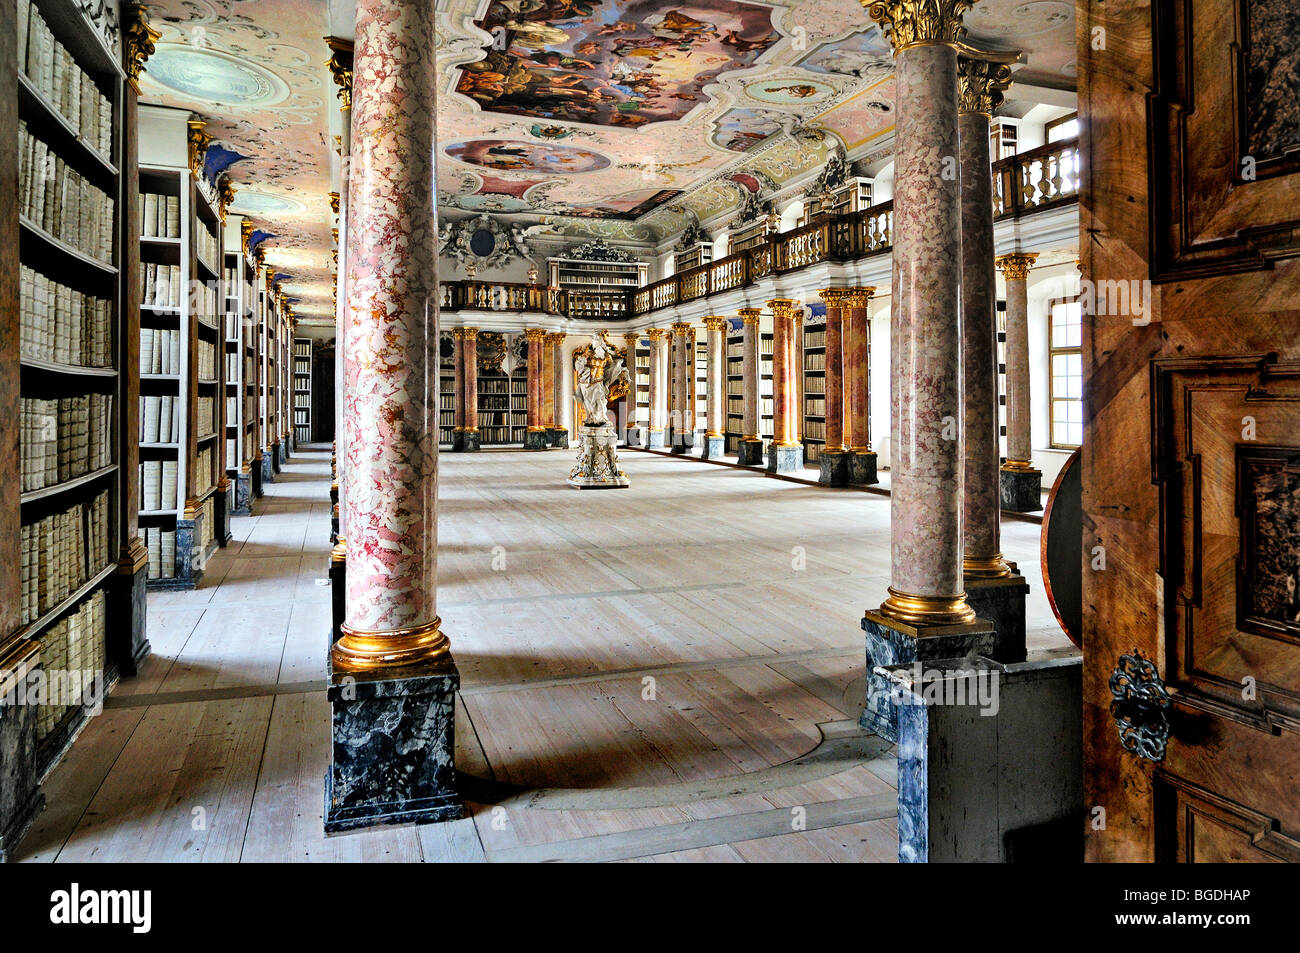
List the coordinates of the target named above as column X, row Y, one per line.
column 880, row 397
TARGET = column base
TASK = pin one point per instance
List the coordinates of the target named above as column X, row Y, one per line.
column 470, row 441
column 1001, row 602
column 784, row 459
column 713, row 448
column 189, row 559
column 277, row 456
column 750, row 453
column 683, row 441
column 457, row 441
column 1021, row 490
column 634, row 436
column 862, row 467
column 535, row 440
column 393, row 753
column 243, row 495
column 221, row 511
column 20, row 794
column 255, row 474
column 558, row 437
column 656, row 440
column 834, row 467
column 268, row 469
column 896, row 643
column 126, row 645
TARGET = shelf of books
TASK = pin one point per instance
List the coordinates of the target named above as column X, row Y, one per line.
column 735, row 424
column 766, row 408
column 285, row 382
column 446, row 406
column 700, row 375
column 642, row 385
column 63, row 357
column 241, row 371
column 503, row 408
column 270, row 306
column 1002, row 378
column 302, row 390
column 183, row 508
column 814, row 392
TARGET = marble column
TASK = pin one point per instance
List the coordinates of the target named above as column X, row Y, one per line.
column 469, row 439
column 392, row 680
column 993, row 589
column 683, row 414
column 926, row 616
column 751, row 444
column 558, row 433
column 834, row 456
column 715, row 439
column 632, row 429
column 458, row 364
column 785, row 455
column 535, row 436
column 861, row 465
column 1021, row 482
column 655, row 433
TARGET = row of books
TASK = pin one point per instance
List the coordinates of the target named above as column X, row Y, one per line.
column 302, row 399
column 62, row 551
column 302, row 433
column 812, row 452
column 302, row 367
column 161, row 544
column 501, row 386
column 814, row 337
column 55, row 73
column 232, row 368
column 207, row 361
column 64, row 438
column 814, row 429
column 489, row 434
column 207, row 524
column 160, row 419
column 207, row 420
column 161, row 286
column 57, row 198
column 205, row 243
column 203, row 479
column 160, row 351
column 57, row 323
column 302, row 349
column 158, row 485
column 72, row 657
column 160, row 215
column 302, row 416
column 814, row 362
column 814, row 406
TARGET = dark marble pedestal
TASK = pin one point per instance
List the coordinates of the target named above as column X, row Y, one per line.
column 713, row 448
column 558, row 437
column 338, row 576
column 1002, row 603
column 891, row 643
column 393, row 747
column 221, row 511
column 1021, row 490
column 20, row 796
column 243, row 495
column 470, row 441
column 834, row 468
column 268, row 468
column 457, row 440
column 862, row 467
column 276, row 455
column 189, row 557
column 784, row 459
column 634, row 436
column 256, row 473
column 126, row 641
column 656, row 440
column 683, row 441
column 749, row 453
column 535, row 440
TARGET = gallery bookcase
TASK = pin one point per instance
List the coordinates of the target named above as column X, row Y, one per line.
column 184, row 506
column 642, row 383
column 242, row 464
column 302, row 390
column 446, row 407
column 502, row 408
column 814, row 392
column 65, row 348
column 270, row 383
column 700, row 376
column 766, row 409
column 735, row 421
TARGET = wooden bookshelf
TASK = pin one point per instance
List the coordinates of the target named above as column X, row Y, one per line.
column 66, row 358
column 184, row 503
column 814, row 392
column 642, row 383
column 597, row 267
column 243, row 466
column 270, row 382
column 503, row 408
column 700, row 377
column 302, row 390
column 735, row 419
column 766, row 408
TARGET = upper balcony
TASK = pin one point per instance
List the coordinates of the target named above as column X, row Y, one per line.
column 1034, row 181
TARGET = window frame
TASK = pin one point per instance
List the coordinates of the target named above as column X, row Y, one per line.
column 1052, row 351
column 1056, row 123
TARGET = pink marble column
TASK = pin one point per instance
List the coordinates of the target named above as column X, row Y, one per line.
column 655, row 434
column 857, row 369
column 1015, row 272
column 834, row 298
column 458, row 338
column 469, row 352
column 716, row 371
column 390, row 446
column 926, row 451
column 535, row 435
column 980, row 85
column 784, row 389
column 630, row 431
column 683, row 417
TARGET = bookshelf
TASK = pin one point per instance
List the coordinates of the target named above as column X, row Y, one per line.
column 642, row 384
column 814, row 392
column 596, row 267
column 700, row 253
column 302, row 390
column 503, row 408
column 66, row 347
column 183, row 511
column 700, row 377
column 269, row 393
column 242, row 465
column 1002, row 377
column 766, row 409
column 853, row 195
column 735, row 421
column 447, row 347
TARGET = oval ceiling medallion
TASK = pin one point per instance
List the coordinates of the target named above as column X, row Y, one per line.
column 214, row 77
column 504, row 155
column 789, row 92
column 262, row 203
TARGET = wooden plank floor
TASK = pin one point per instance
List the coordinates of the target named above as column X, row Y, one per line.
column 667, row 673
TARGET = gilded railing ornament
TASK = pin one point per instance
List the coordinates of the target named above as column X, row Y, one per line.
column 139, row 38
column 910, row 23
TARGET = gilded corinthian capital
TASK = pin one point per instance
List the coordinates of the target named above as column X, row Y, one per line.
column 980, row 83
column 910, row 23
column 139, row 38
column 340, row 64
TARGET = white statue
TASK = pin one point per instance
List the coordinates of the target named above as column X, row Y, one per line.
column 599, row 373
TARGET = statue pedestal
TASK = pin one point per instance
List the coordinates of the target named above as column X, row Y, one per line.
column 597, row 467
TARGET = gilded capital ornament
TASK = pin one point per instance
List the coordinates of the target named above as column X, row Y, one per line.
column 858, row 297
column 334, row 202
column 245, row 233
column 225, row 195
column 534, row 334
column 910, row 23
column 749, row 315
column 139, row 38
column 1015, row 267
column 631, row 337
column 783, row 308
column 340, row 64
column 980, row 83
column 683, row 328
column 715, row 322
column 555, row 337
column 834, row 297
column 198, row 141
column 471, row 334
column 654, row 334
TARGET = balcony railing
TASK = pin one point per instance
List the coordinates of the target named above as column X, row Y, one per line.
column 1032, row 181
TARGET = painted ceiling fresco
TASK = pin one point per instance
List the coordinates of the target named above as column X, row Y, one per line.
column 673, row 95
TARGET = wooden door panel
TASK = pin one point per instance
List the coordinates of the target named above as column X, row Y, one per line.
column 1201, row 827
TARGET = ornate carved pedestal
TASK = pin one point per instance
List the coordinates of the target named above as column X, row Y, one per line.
column 597, row 467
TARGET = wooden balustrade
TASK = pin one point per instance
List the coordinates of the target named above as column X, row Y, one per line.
column 1038, row 179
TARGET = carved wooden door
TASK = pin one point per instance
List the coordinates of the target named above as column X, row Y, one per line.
column 1191, row 461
